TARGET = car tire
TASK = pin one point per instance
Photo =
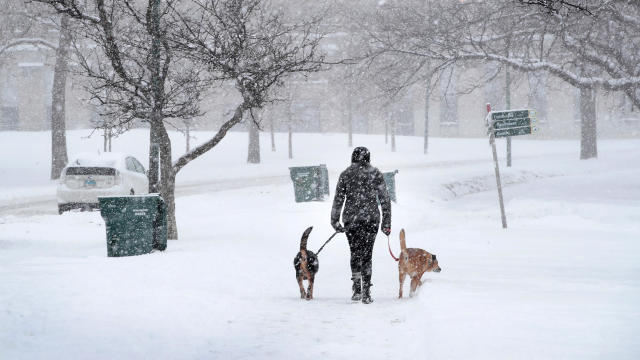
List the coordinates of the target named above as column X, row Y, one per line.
column 61, row 209
column 132, row 192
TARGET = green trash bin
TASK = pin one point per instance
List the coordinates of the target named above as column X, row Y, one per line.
column 135, row 224
column 390, row 180
column 310, row 183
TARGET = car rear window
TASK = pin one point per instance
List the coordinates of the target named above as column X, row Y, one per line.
column 85, row 170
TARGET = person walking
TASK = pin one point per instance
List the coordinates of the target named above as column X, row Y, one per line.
column 360, row 188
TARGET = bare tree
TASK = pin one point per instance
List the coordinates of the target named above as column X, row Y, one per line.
column 526, row 38
column 234, row 40
column 135, row 62
column 254, row 47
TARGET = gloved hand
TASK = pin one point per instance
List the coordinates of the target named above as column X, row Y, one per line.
column 338, row 227
column 386, row 231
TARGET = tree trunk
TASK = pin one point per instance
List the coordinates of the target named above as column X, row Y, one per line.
column 253, row 156
column 167, row 177
column 290, row 142
column 426, row 116
column 59, row 157
column 350, row 119
column 168, row 194
column 156, row 147
column 154, row 156
column 393, row 134
column 273, row 137
column 106, row 139
column 588, row 131
column 386, row 129
column 188, row 134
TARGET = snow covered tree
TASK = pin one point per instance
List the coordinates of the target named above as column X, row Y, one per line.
column 135, row 61
column 605, row 36
column 157, row 54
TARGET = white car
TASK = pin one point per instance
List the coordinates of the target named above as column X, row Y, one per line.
column 89, row 176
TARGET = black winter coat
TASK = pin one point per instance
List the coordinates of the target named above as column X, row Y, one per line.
column 359, row 188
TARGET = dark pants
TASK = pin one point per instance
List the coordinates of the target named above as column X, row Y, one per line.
column 361, row 239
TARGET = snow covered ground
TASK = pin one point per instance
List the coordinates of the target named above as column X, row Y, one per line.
column 562, row 282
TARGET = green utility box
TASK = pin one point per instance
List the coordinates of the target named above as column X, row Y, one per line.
column 389, row 178
column 136, row 224
column 310, row 183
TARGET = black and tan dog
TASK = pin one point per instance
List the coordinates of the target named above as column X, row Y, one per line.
column 306, row 265
column 414, row 262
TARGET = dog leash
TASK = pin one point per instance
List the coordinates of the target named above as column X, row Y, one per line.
column 325, row 243
column 389, row 245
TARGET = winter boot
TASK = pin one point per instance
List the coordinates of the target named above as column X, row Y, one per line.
column 356, row 288
column 366, row 291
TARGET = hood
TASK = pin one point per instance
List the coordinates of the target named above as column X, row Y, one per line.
column 361, row 156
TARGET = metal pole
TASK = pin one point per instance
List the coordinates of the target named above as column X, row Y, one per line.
column 492, row 141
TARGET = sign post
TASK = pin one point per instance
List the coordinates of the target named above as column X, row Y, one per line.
column 492, row 141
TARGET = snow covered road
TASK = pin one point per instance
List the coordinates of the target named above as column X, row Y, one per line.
column 562, row 282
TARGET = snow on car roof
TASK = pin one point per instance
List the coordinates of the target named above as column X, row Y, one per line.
column 107, row 159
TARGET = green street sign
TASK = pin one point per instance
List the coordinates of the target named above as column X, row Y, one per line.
column 512, row 114
column 515, row 131
column 512, row 123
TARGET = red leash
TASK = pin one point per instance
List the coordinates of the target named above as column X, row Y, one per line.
column 390, row 252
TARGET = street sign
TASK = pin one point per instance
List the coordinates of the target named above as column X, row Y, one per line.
column 525, row 130
column 512, row 114
column 513, row 123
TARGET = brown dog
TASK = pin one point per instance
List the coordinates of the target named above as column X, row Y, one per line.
column 306, row 265
column 414, row 262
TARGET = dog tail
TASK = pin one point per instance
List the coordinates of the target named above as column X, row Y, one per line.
column 403, row 243
column 305, row 236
